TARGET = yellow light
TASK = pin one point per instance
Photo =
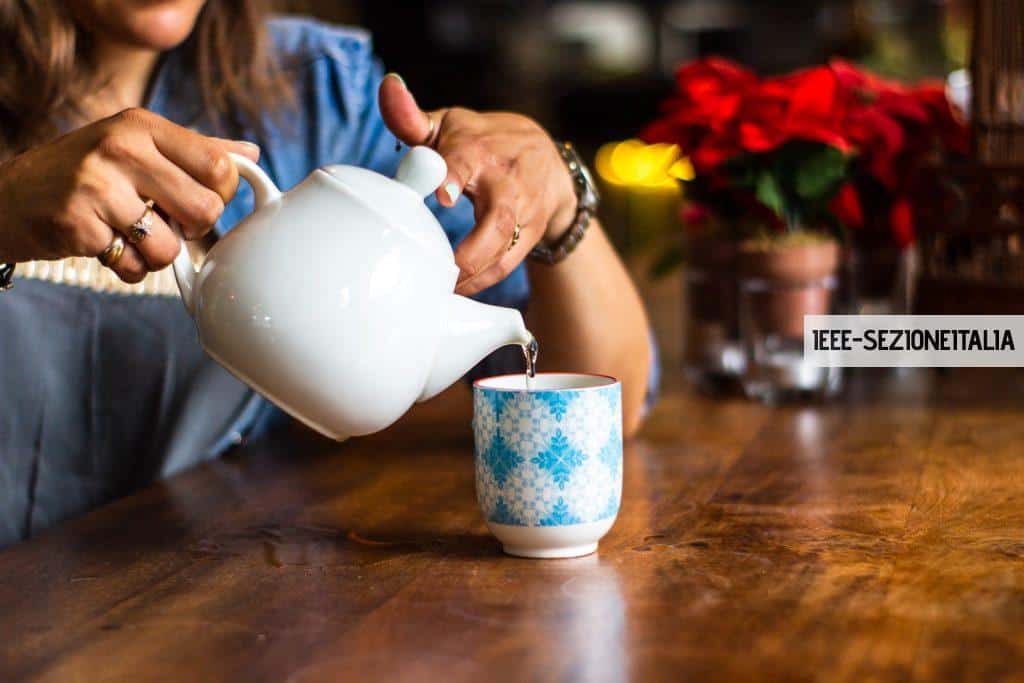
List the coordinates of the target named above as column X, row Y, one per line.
column 636, row 164
column 682, row 169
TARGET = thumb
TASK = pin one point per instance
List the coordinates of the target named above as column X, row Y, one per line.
column 401, row 114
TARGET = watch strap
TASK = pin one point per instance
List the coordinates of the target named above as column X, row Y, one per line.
column 568, row 242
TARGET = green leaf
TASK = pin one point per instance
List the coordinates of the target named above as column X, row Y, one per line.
column 820, row 173
column 769, row 193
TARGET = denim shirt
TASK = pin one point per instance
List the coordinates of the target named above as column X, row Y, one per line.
column 335, row 120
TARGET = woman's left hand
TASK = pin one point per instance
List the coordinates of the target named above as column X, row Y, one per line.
column 505, row 163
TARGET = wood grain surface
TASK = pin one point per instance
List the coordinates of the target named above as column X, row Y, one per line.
column 879, row 537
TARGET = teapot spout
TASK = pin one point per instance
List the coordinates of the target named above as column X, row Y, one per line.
column 472, row 330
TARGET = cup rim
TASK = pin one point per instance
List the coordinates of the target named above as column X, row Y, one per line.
column 612, row 381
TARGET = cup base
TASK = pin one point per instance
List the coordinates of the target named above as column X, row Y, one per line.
column 551, row 542
column 551, row 553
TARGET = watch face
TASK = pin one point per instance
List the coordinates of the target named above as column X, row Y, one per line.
column 591, row 185
column 589, row 197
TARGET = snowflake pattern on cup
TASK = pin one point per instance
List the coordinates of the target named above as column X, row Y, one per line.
column 527, row 494
column 487, row 490
column 485, row 421
column 588, row 423
column 559, row 459
column 525, row 425
column 548, row 458
column 593, row 476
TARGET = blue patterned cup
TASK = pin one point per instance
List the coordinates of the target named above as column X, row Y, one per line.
column 548, row 461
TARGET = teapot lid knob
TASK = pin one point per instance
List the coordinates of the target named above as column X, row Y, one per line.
column 423, row 170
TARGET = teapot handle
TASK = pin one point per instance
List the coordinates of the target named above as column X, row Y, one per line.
column 264, row 191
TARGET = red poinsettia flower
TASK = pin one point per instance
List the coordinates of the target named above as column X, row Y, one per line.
column 800, row 106
column 709, row 93
column 879, row 139
column 846, row 206
column 863, row 83
column 895, row 127
column 700, row 116
column 721, row 110
column 901, row 220
column 723, row 116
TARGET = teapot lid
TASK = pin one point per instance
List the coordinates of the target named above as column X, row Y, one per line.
column 400, row 200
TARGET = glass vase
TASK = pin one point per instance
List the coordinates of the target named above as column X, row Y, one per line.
column 713, row 353
column 776, row 291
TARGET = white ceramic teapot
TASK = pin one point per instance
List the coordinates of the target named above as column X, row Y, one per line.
column 335, row 299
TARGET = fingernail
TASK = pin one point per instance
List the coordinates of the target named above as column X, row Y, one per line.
column 397, row 78
column 250, row 145
column 452, row 190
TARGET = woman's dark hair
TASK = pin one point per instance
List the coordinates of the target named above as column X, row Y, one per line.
column 46, row 67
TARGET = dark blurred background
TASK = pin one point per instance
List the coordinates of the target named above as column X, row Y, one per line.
column 595, row 71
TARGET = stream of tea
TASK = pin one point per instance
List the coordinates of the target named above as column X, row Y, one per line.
column 530, row 350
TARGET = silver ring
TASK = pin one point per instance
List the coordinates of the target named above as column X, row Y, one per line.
column 430, row 133
column 141, row 228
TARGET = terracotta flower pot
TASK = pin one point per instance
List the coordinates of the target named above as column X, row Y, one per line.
column 787, row 282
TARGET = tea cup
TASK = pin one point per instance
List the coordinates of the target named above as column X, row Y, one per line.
column 548, row 461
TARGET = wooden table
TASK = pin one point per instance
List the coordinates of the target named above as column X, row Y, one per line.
column 877, row 538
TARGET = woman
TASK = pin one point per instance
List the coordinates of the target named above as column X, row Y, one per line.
column 117, row 116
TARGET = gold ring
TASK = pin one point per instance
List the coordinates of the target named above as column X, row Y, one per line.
column 515, row 236
column 141, row 228
column 113, row 253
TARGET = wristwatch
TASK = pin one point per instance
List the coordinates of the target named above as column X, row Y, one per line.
column 6, row 276
column 587, row 201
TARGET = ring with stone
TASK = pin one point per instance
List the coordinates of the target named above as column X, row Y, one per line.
column 141, row 228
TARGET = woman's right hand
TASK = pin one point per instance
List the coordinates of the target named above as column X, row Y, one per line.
column 72, row 196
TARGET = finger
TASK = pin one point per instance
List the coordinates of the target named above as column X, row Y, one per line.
column 161, row 246
column 495, row 203
column 131, row 267
column 249, row 150
column 505, row 264
column 403, row 116
column 465, row 163
column 195, row 206
column 158, row 248
column 493, row 275
column 203, row 158
column 124, row 138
